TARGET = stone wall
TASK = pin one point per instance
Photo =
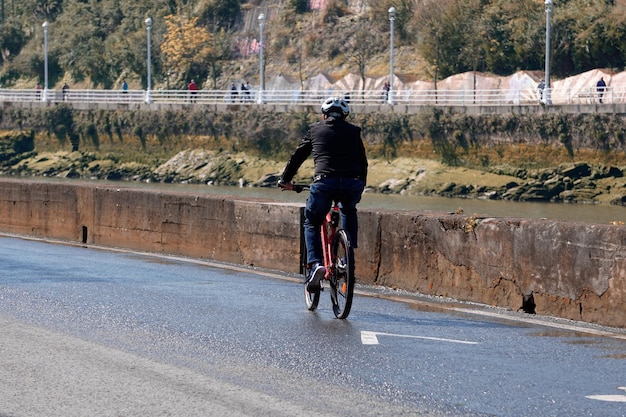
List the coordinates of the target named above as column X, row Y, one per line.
column 570, row 270
column 471, row 110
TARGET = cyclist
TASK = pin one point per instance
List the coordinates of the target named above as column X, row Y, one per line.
column 340, row 175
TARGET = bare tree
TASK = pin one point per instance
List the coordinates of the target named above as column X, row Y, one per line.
column 364, row 45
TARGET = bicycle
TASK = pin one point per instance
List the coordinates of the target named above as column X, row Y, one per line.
column 338, row 260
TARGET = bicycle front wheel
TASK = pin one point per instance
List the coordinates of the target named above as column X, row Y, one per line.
column 342, row 278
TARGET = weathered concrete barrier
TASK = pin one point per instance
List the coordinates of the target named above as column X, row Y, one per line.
column 563, row 269
column 248, row 232
column 358, row 108
column 570, row 270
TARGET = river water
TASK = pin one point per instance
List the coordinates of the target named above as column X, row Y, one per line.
column 588, row 213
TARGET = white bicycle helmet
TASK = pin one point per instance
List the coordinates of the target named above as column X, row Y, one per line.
column 335, row 107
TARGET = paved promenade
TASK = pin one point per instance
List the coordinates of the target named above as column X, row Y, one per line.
column 85, row 100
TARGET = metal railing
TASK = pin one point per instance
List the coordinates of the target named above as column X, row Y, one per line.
column 406, row 97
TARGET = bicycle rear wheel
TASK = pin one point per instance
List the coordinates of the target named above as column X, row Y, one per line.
column 311, row 299
column 342, row 278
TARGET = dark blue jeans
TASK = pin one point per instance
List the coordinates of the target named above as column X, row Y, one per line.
column 347, row 191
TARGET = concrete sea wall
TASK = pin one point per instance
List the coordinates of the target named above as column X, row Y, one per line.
column 357, row 108
column 564, row 269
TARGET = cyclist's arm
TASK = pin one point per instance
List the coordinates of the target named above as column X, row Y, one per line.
column 363, row 160
column 300, row 155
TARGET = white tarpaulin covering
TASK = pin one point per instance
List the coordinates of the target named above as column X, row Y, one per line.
column 468, row 87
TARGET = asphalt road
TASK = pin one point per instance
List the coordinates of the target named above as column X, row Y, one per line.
column 94, row 332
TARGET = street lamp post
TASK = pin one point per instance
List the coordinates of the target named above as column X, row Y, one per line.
column 392, row 17
column 148, row 23
column 547, row 94
column 261, row 62
column 45, row 61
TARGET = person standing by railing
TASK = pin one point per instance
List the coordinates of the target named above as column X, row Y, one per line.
column 601, row 86
column 540, row 87
column 248, row 91
column 386, row 88
column 124, row 90
column 244, row 93
column 66, row 91
column 193, row 91
column 233, row 93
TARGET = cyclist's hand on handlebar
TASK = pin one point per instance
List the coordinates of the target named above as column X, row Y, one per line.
column 285, row 185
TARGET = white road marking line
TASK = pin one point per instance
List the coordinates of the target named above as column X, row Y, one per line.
column 538, row 322
column 368, row 338
column 611, row 397
column 519, row 319
column 371, row 338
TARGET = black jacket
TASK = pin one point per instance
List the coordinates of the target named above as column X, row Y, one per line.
column 337, row 149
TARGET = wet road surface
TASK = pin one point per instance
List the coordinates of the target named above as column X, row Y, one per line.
column 90, row 331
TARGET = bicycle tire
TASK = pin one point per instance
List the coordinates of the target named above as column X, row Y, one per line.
column 342, row 278
column 311, row 299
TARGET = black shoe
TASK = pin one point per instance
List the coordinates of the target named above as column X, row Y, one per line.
column 315, row 277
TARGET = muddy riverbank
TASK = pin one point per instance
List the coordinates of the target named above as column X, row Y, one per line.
column 570, row 182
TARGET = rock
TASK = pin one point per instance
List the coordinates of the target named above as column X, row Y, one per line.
column 395, row 185
column 462, row 190
column 490, row 195
column 268, row 181
column 71, row 173
column 619, row 200
column 577, row 171
column 446, row 188
column 582, row 195
column 554, row 187
column 610, row 172
column 513, row 193
column 535, row 194
column 114, row 176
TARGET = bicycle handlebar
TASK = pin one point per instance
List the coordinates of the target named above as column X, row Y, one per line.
column 298, row 188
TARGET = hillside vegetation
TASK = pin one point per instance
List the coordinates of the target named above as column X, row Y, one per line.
column 98, row 43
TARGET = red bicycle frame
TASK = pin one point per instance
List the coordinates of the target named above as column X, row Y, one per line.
column 328, row 230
